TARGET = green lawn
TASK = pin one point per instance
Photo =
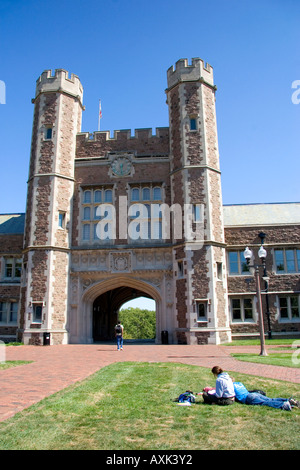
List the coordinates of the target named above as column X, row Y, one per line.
column 269, row 342
column 128, row 406
column 274, row 358
column 289, row 357
column 8, row 364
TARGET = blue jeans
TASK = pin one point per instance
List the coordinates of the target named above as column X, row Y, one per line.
column 119, row 341
column 258, row 399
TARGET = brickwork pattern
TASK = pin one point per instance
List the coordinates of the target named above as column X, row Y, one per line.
column 143, row 143
column 59, row 283
column 42, row 211
column 46, row 156
column 11, row 245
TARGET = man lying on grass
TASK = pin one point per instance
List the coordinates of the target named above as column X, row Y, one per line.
column 242, row 395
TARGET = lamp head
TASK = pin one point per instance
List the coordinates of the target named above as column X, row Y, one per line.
column 262, row 253
column 248, row 254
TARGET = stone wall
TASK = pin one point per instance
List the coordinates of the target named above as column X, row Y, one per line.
column 287, row 236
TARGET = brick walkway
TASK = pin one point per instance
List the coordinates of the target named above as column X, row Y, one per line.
column 55, row 367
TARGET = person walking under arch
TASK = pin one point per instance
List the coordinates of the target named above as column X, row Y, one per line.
column 119, row 329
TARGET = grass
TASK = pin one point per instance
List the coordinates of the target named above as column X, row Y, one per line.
column 290, row 359
column 8, row 364
column 270, row 342
column 128, row 406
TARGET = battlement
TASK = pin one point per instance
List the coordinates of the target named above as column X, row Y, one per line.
column 142, row 143
column 125, row 134
column 60, row 81
column 184, row 72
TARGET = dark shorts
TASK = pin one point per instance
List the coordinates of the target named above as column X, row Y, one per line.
column 213, row 400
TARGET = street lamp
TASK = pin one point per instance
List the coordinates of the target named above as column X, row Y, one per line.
column 262, row 253
column 262, row 237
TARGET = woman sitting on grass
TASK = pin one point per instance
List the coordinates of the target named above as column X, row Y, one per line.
column 224, row 392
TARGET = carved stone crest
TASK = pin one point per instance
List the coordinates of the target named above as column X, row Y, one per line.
column 120, row 262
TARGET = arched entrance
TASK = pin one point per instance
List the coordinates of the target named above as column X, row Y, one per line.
column 100, row 303
column 106, row 307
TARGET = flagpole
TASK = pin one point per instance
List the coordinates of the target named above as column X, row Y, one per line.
column 99, row 115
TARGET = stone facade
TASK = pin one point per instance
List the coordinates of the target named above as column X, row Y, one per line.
column 285, row 285
column 88, row 243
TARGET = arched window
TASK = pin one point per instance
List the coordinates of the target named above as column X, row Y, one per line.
column 98, row 195
column 135, row 194
column 87, row 197
column 146, row 194
column 108, row 195
column 86, row 213
column 96, row 205
column 86, row 232
column 156, row 194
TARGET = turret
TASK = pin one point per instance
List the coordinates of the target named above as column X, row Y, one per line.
column 199, row 263
column 57, row 120
column 184, row 72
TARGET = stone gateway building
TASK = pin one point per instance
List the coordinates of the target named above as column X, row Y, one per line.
column 109, row 219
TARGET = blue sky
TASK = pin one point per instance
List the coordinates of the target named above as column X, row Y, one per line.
column 140, row 302
column 121, row 50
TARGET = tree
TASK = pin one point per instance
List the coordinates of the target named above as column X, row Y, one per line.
column 138, row 323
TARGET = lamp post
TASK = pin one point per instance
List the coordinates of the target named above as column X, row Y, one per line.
column 262, row 237
column 262, row 255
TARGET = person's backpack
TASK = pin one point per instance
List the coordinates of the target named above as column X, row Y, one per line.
column 187, row 396
column 118, row 329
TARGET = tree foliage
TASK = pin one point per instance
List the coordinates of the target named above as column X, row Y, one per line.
column 138, row 323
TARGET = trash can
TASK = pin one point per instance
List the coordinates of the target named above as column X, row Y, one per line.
column 46, row 340
column 164, row 337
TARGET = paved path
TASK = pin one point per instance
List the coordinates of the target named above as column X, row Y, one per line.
column 55, row 367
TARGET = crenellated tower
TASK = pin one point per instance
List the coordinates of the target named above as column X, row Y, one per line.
column 199, row 261
column 57, row 120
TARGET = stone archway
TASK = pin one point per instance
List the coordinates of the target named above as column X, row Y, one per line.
column 106, row 307
column 108, row 296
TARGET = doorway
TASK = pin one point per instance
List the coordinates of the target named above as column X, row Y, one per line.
column 138, row 318
column 106, row 307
